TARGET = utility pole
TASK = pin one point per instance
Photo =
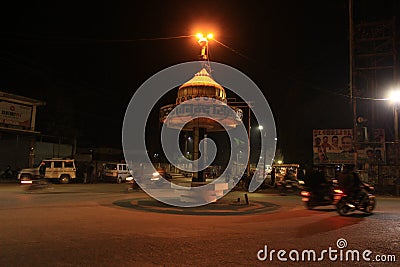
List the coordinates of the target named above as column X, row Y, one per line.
column 238, row 104
column 373, row 60
column 351, row 84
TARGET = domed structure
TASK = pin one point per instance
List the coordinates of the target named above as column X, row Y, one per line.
column 210, row 97
column 201, row 85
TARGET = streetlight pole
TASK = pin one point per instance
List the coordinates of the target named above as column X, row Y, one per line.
column 263, row 135
column 352, row 83
column 396, row 143
column 395, row 98
column 396, row 131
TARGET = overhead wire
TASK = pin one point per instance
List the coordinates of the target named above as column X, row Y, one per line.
column 155, row 38
column 30, row 39
column 312, row 86
column 233, row 50
column 293, row 78
column 229, row 48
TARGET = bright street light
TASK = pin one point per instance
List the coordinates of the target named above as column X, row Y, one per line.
column 394, row 96
column 203, row 42
column 207, row 37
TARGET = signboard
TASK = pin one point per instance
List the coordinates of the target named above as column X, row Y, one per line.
column 15, row 114
column 333, row 146
column 372, row 153
column 336, row 146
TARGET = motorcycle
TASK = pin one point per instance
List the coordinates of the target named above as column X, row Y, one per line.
column 312, row 198
column 131, row 183
column 33, row 185
column 287, row 186
column 7, row 174
column 365, row 201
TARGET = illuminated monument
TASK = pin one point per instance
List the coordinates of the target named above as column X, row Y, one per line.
column 211, row 97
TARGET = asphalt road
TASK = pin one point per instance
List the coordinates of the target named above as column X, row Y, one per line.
column 81, row 225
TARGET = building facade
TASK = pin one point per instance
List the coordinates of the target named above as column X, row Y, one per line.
column 17, row 130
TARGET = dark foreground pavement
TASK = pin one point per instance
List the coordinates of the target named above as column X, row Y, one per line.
column 103, row 225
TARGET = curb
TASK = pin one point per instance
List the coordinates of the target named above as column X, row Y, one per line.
column 219, row 208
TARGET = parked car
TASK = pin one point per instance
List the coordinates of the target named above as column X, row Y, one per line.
column 115, row 172
column 62, row 170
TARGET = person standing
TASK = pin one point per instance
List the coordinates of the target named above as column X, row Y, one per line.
column 273, row 177
column 42, row 175
column 42, row 170
column 85, row 172
column 90, row 173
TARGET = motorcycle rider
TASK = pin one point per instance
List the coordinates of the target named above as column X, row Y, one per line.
column 317, row 182
column 349, row 181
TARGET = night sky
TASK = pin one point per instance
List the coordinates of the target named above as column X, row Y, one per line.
column 86, row 58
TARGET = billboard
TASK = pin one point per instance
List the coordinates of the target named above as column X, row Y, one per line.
column 336, row 146
column 15, row 114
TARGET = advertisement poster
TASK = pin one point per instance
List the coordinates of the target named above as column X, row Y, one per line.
column 15, row 114
column 336, row 146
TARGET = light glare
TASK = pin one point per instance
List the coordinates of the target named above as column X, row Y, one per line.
column 395, row 96
column 200, row 36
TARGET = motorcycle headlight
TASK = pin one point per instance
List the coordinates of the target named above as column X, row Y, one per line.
column 155, row 174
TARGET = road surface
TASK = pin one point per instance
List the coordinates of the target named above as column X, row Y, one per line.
column 82, row 225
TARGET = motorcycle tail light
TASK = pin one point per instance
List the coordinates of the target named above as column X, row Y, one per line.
column 305, row 193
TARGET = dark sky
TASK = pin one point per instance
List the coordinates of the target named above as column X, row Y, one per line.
column 86, row 59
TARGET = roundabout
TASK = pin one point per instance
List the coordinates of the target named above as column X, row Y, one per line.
column 223, row 207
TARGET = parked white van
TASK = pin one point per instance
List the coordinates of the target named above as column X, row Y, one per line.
column 115, row 172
